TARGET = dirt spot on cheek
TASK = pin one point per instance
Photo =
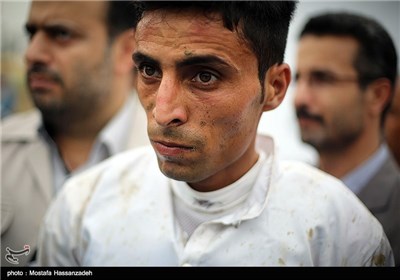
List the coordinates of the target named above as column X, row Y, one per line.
column 150, row 106
column 206, row 118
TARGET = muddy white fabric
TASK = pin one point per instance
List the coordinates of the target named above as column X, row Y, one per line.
column 121, row 213
column 191, row 208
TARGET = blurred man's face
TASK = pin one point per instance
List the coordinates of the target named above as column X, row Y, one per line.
column 68, row 61
column 330, row 106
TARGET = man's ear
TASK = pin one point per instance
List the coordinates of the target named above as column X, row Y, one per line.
column 124, row 46
column 378, row 96
column 276, row 83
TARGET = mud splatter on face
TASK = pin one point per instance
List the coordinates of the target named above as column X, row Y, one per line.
column 150, row 106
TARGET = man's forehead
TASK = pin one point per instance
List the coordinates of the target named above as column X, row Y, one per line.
column 169, row 36
column 190, row 26
column 189, row 20
column 74, row 10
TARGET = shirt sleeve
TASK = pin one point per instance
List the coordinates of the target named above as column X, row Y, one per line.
column 383, row 255
column 61, row 242
column 57, row 237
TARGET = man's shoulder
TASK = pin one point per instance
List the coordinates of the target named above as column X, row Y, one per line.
column 304, row 172
column 127, row 169
column 20, row 125
column 133, row 162
column 389, row 171
column 308, row 184
column 322, row 199
column 140, row 156
column 382, row 192
column 20, row 118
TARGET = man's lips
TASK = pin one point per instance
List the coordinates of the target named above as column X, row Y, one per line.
column 305, row 118
column 304, row 121
column 41, row 81
column 170, row 149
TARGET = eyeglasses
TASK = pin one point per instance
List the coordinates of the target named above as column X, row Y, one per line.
column 324, row 79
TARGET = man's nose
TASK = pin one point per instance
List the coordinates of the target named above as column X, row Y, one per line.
column 302, row 91
column 38, row 50
column 170, row 109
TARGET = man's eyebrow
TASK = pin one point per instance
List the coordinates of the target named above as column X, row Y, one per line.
column 140, row 58
column 202, row 59
column 31, row 27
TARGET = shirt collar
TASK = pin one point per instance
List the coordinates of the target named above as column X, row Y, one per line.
column 112, row 139
column 115, row 135
column 267, row 173
column 222, row 200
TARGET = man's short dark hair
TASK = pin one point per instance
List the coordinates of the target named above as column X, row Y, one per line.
column 120, row 17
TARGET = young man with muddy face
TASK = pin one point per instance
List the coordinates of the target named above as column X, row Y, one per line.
column 209, row 192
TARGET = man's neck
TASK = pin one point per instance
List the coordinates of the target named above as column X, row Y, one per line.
column 340, row 163
column 74, row 151
column 75, row 138
column 229, row 175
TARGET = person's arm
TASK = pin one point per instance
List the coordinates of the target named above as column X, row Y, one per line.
column 383, row 255
column 60, row 240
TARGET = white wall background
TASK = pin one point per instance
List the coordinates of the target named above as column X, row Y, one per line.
column 13, row 16
column 280, row 123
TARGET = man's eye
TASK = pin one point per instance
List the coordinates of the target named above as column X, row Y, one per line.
column 322, row 78
column 205, row 78
column 148, row 70
column 60, row 34
column 63, row 35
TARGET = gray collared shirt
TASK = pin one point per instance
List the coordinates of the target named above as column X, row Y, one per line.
column 112, row 139
column 359, row 177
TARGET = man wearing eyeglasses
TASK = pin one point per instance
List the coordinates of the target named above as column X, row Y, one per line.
column 345, row 80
